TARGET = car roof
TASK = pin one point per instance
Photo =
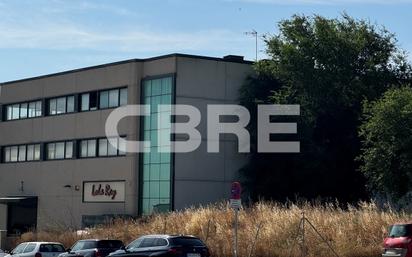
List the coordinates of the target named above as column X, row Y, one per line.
column 169, row 236
column 405, row 223
column 41, row 242
column 95, row 240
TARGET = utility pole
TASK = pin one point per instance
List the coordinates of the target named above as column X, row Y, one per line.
column 254, row 34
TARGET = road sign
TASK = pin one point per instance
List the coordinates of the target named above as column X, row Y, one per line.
column 236, row 190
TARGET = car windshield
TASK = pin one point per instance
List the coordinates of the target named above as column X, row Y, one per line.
column 400, row 231
column 186, row 241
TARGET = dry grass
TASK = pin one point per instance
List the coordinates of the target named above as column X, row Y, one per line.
column 353, row 232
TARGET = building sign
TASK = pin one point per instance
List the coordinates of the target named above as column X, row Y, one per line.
column 104, row 191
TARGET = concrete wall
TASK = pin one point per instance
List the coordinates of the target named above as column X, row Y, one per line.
column 202, row 177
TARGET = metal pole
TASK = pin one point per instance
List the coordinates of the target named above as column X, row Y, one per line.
column 236, row 228
column 303, row 235
column 256, row 38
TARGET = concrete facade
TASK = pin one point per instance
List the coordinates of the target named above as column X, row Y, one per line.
column 199, row 177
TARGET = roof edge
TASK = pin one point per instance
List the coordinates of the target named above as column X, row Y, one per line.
column 125, row 62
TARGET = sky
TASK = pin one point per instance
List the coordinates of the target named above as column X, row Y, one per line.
column 39, row 37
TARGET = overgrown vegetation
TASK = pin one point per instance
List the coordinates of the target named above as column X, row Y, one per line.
column 356, row 231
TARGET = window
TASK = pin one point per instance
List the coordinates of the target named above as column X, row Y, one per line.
column 88, row 101
column 59, row 150
column 156, row 166
column 107, row 149
column 29, row 248
column 19, row 248
column 88, row 148
column 148, row 242
column 112, row 98
column 21, row 153
column 61, row 105
column 23, row 110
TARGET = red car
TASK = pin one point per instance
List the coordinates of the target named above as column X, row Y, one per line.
column 399, row 241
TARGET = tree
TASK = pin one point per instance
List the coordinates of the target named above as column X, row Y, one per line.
column 386, row 133
column 329, row 67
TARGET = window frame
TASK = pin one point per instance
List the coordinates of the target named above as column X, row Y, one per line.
column 18, row 146
column 5, row 110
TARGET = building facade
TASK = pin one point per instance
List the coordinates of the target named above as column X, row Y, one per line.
column 58, row 169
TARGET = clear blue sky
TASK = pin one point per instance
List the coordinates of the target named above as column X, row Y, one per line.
column 39, row 37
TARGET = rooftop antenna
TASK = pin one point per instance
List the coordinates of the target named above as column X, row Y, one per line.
column 254, row 33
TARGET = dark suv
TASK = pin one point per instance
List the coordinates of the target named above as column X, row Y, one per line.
column 164, row 245
column 93, row 248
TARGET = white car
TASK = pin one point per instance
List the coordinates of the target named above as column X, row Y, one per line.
column 2, row 253
column 37, row 249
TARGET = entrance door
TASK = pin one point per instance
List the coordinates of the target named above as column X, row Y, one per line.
column 21, row 216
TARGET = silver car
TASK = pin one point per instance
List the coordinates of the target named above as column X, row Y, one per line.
column 37, row 249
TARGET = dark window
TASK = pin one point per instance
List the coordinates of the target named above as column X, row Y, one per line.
column 116, row 244
column 88, row 101
column 186, row 241
column 148, row 242
column 51, row 248
column 161, row 242
column 401, row 231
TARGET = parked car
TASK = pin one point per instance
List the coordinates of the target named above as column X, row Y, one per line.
column 93, row 248
column 2, row 253
column 37, row 249
column 164, row 245
column 399, row 241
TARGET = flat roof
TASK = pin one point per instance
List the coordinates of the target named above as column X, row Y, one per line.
column 130, row 61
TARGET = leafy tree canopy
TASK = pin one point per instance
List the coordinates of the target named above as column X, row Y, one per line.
column 329, row 67
column 387, row 143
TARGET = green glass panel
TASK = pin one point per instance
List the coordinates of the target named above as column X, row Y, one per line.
column 146, row 188
column 154, row 189
column 146, row 206
column 164, row 189
column 147, row 88
column 153, row 138
column 153, row 121
column 155, row 172
column 155, row 103
column 146, row 122
column 146, row 157
column 167, row 86
column 154, row 205
column 164, row 201
column 146, row 172
column 165, row 154
column 166, row 99
column 156, row 87
column 146, row 135
column 165, row 171
column 154, row 155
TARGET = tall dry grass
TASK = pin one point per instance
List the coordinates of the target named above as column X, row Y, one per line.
column 352, row 232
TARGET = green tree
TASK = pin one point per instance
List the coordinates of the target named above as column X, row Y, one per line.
column 386, row 134
column 329, row 67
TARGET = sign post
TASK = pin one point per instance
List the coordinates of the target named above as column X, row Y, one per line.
column 235, row 204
